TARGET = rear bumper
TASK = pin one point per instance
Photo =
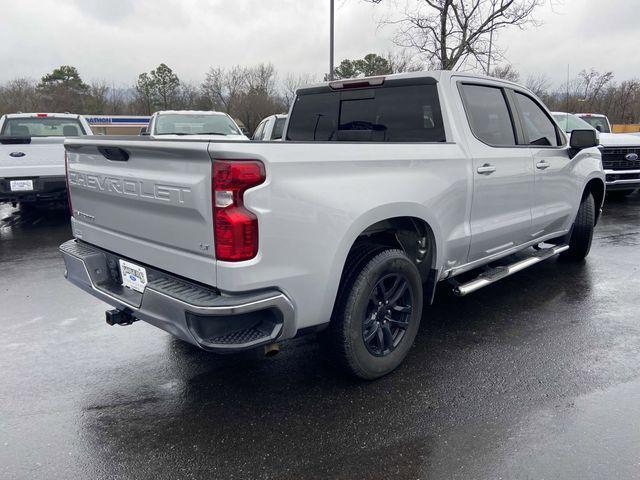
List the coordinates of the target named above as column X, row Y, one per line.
column 622, row 179
column 199, row 315
column 50, row 188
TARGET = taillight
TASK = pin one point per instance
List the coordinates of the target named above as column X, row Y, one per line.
column 66, row 175
column 235, row 227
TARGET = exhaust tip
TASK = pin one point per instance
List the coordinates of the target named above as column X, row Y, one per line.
column 271, row 350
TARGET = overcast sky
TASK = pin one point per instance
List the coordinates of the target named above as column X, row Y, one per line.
column 115, row 40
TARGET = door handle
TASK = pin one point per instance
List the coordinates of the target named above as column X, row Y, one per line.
column 486, row 169
column 542, row 165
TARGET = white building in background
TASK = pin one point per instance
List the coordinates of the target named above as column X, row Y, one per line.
column 117, row 124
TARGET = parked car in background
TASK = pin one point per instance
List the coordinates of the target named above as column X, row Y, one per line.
column 271, row 128
column 382, row 188
column 620, row 155
column 596, row 120
column 32, row 155
column 202, row 125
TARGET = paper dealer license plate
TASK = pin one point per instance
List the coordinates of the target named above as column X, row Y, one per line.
column 21, row 185
column 133, row 276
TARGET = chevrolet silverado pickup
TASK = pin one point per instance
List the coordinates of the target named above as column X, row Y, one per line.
column 32, row 155
column 382, row 189
column 620, row 155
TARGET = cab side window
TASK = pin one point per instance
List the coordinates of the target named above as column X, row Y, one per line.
column 538, row 127
column 488, row 114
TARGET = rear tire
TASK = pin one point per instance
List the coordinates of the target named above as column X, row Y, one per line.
column 377, row 314
column 582, row 231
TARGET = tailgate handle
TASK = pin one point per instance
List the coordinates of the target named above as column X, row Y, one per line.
column 115, row 154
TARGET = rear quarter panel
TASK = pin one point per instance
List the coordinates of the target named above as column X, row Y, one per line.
column 319, row 197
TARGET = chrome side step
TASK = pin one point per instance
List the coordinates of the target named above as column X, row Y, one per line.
column 498, row 273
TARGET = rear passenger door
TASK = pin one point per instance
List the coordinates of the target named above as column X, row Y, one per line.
column 554, row 190
column 502, row 172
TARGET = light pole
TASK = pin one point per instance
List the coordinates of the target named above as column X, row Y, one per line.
column 331, row 34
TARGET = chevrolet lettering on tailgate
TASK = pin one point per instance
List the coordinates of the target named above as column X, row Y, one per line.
column 130, row 187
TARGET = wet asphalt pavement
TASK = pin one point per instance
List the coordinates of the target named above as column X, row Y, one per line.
column 537, row 376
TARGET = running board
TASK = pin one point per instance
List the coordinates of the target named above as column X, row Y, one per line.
column 498, row 273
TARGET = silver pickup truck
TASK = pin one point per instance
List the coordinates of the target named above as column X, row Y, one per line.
column 382, row 189
column 32, row 155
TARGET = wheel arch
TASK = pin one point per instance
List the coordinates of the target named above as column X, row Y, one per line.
column 597, row 188
column 413, row 231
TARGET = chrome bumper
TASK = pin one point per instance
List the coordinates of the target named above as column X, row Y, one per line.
column 622, row 179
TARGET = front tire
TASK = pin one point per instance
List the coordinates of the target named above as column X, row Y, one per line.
column 377, row 315
column 582, row 231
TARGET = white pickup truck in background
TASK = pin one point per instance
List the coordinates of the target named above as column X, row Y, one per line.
column 194, row 124
column 271, row 128
column 32, row 155
column 620, row 154
column 597, row 120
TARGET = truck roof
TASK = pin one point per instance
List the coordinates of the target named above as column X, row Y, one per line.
column 438, row 75
column 592, row 114
column 42, row 114
column 189, row 112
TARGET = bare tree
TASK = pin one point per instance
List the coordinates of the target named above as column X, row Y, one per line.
column 18, row 95
column 451, row 32
column 223, row 87
column 293, row 82
column 190, row 97
column 120, row 100
column 97, row 99
column 403, row 61
column 506, row 72
column 538, row 83
column 593, row 82
column 260, row 98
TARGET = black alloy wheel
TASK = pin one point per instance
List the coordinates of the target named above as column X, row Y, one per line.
column 388, row 314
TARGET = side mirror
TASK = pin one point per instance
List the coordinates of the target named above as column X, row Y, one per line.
column 599, row 128
column 144, row 131
column 583, row 139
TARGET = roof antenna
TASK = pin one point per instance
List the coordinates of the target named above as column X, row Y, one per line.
column 567, row 110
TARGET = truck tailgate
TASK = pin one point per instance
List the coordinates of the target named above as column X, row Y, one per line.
column 146, row 200
column 35, row 157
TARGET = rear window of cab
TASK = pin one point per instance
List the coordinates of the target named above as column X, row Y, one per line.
column 42, row 127
column 403, row 113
